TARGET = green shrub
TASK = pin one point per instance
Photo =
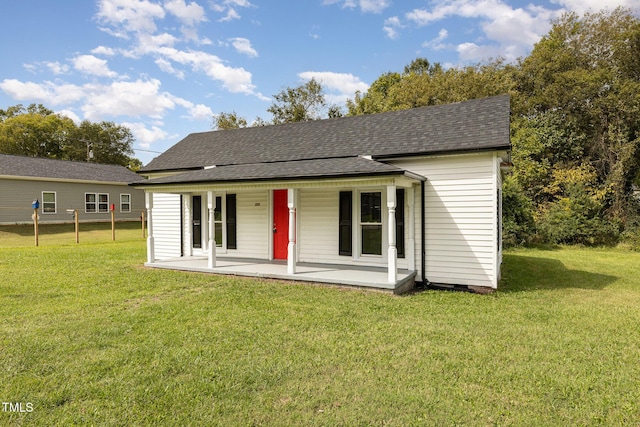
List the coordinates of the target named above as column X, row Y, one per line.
column 576, row 221
column 517, row 214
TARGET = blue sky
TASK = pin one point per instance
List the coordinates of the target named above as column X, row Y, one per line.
column 165, row 67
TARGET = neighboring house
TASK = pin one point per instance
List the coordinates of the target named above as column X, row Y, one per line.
column 378, row 200
column 59, row 185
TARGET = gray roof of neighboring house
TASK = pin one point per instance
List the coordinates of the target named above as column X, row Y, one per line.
column 37, row 167
column 476, row 125
column 296, row 169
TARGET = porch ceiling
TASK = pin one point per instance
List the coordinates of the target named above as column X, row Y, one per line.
column 349, row 275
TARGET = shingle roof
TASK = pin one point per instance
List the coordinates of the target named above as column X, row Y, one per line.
column 481, row 124
column 296, row 169
column 37, row 167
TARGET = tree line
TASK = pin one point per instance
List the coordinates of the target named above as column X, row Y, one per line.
column 575, row 125
column 37, row 131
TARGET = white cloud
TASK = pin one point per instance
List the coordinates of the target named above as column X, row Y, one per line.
column 136, row 99
column 49, row 92
column 436, row 43
column 200, row 112
column 391, row 26
column 582, row 6
column 89, row 64
column 243, row 46
column 189, row 14
column 508, row 32
column 57, row 68
column 137, row 19
column 236, row 80
column 70, row 114
column 339, row 86
column 367, row 6
column 103, row 50
column 472, row 52
column 144, row 136
column 167, row 67
column 231, row 15
column 129, row 16
column 374, row 6
column 140, row 98
column 230, row 7
column 148, row 43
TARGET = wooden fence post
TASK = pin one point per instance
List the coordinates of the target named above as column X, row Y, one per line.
column 75, row 215
column 35, row 224
column 113, row 226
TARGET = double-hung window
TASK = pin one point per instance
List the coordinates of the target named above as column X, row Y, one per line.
column 371, row 223
column 125, row 203
column 224, row 222
column 103, row 203
column 90, row 205
column 217, row 222
column 49, row 202
column 368, row 220
column 96, row 202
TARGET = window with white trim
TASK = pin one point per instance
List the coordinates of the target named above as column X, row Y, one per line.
column 90, row 205
column 217, row 222
column 103, row 203
column 96, row 202
column 49, row 202
column 224, row 222
column 125, row 202
column 371, row 223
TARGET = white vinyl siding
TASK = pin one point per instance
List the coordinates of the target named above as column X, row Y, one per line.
column 460, row 218
column 252, row 222
column 166, row 229
column 318, row 218
column 318, row 229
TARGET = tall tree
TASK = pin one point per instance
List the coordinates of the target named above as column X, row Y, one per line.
column 586, row 73
column 226, row 121
column 37, row 131
column 298, row 104
column 104, row 142
column 424, row 84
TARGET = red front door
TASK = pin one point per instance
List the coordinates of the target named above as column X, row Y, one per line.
column 280, row 224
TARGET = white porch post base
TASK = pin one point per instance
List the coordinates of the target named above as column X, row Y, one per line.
column 393, row 264
column 291, row 262
column 291, row 247
column 150, row 249
column 211, row 204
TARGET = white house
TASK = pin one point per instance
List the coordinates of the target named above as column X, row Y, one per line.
column 382, row 201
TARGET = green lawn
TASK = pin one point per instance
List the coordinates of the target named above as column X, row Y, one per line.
column 90, row 337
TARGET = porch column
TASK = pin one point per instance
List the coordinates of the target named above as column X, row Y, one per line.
column 410, row 250
column 291, row 248
column 211, row 204
column 392, row 251
column 151, row 256
column 188, row 244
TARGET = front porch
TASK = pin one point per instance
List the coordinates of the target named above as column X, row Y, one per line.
column 347, row 275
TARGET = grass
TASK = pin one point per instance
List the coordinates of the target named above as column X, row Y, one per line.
column 63, row 234
column 88, row 336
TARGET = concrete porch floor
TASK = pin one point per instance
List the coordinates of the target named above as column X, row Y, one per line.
column 350, row 275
